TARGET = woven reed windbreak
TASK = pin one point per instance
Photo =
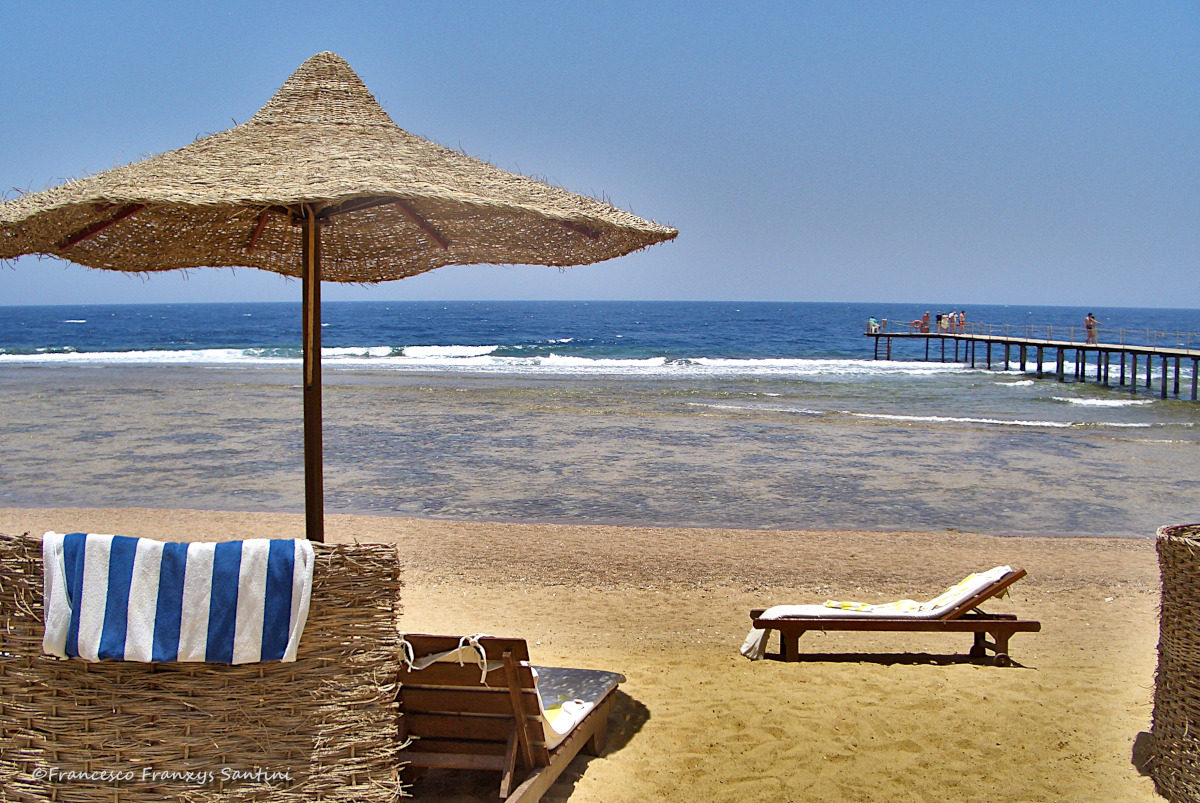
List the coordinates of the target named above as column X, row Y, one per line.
column 329, row 720
column 1176, row 719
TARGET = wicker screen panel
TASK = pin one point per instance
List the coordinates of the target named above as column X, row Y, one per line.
column 322, row 728
column 1176, row 719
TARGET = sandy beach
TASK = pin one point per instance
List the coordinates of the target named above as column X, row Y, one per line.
column 867, row 717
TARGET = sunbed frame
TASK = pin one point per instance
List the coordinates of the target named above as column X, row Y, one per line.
column 457, row 722
column 965, row 618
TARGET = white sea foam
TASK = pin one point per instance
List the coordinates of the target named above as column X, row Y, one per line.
column 757, row 408
column 1104, row 402
column 172, row 357
column 443, row 352
column 335, row 355
column 921, row 419
column 75, row 321
column 945, row 419
column 482, row 358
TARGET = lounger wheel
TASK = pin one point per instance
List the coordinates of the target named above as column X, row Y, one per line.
column 1002, row 659
column 978, row 651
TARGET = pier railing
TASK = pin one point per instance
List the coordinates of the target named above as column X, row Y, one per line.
column 1149, row 338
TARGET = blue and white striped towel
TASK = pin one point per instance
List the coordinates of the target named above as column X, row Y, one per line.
column 134, row 599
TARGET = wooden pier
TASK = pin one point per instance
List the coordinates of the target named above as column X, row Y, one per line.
column 1119, row 362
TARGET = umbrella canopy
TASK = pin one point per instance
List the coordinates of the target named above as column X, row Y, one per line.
column 322, row 185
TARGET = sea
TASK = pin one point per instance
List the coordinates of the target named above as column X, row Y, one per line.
column 694, row 414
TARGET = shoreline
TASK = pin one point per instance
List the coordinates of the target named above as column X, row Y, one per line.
column 39, row 510
column 867, row 717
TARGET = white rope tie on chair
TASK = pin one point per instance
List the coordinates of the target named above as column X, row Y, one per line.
column 482, row 661
column 408, row 656
column 411, row 663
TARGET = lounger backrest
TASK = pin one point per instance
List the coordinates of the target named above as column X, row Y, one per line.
column 984, row 595
column 447, row 707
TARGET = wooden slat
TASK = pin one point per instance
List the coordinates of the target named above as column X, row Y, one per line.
column 463, row 701
column 452, row 726
column 99, row 226
column 525, row 734
column 580, row 228
column 464, row 746
column 451, row 674
column 356, row 205
column 421, row 223
column 258, row 230
column 459, row 761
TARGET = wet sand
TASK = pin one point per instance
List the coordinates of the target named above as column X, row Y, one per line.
column 866, row 717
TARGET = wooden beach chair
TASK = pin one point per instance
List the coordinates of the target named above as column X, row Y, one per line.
column 959, row 614
column 502, row 715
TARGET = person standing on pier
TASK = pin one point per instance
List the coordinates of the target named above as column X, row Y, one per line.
column 1090, row 323
column 925, row 322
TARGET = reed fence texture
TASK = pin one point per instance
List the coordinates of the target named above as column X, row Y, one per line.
column 322, row 728
column 1175, row 766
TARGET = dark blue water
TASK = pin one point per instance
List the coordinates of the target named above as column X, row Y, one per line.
column 597, row 330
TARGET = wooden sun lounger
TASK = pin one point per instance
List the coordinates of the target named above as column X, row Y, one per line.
column 965, row 618
column 458, row 722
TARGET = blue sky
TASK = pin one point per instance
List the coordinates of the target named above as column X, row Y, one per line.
column 926, row 152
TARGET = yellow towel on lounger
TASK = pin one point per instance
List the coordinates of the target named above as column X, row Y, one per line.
column 951, row 594
column 899, row 606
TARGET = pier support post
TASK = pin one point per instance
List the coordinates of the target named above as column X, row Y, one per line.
column 1030, row 349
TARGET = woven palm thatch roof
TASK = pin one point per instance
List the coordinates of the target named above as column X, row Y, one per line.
column 391, row 204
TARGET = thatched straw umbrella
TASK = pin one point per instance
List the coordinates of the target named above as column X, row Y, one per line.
column 322, row 185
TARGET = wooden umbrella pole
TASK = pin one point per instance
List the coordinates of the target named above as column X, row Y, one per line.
column 314, row 501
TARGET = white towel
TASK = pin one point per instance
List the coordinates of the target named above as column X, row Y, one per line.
column 755, row 645
column 135, row 599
